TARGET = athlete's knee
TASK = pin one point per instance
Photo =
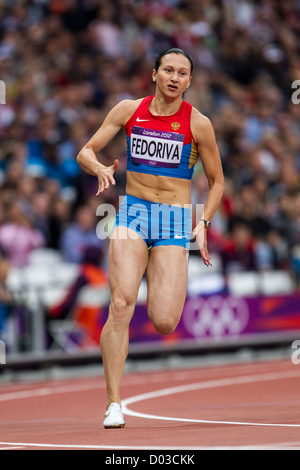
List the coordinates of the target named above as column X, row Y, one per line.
column 119, row 304
column 165, row 326
column 120, row 307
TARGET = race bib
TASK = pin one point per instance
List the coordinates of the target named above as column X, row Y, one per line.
column 156, row 148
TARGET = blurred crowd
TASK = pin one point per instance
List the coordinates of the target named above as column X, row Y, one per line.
column 66, row 63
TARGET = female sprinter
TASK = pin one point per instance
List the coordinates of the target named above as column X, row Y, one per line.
column 165, row 136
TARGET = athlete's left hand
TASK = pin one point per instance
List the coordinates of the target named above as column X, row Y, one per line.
column 200, row 232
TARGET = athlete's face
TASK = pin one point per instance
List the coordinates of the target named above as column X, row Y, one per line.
column 174, row 75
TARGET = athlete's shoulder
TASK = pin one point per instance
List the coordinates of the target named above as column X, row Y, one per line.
column 199, row 119
column 200, row 124
column 126, row 108
column 130, row 104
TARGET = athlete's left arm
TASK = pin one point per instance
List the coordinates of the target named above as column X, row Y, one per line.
column 204, row 136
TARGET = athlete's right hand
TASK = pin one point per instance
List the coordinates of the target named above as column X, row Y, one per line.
column 105, row 176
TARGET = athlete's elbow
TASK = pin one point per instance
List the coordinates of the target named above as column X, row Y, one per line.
column 217, row 183
column 220, row 187
column 216, row 189
column 81, row 156
column 221, row 184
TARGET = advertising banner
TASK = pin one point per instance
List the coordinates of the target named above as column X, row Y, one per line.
column 221, row 319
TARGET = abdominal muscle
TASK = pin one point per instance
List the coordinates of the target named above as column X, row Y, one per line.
column 160, row 189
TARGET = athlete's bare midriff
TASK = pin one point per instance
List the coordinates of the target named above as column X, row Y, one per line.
column 160, row 189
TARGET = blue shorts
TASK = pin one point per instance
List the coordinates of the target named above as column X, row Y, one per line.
column 157, row 224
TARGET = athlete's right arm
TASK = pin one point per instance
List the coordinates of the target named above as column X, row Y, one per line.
column 87, row 157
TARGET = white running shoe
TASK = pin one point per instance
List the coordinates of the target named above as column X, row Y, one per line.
column 114, row 417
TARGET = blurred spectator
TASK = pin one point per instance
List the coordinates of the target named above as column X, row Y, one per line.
column 238, row 253
column 80, row 235
column 6, row 297
column 65, row 64
column 286, row 219
column 59, row 219
column 18, row 236
column 249, row 210
column 296, row 264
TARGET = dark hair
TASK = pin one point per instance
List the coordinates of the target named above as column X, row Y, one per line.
column 173, row 50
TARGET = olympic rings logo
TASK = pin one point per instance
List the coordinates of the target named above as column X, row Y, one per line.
column 215, row 316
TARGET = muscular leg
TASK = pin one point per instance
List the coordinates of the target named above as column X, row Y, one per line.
column 128, row 260
column 167, row 274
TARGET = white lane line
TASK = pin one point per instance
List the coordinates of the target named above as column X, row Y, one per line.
column 102, row 446
column 37, row 421
column 52, row 389
column 207, row 385
column 11, row 448
column 46, row 391
column 281, row 446
column 69, row 388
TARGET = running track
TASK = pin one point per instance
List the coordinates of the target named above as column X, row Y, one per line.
column 238, row 406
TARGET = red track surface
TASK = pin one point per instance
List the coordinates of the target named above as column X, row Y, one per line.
column 252, row 405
